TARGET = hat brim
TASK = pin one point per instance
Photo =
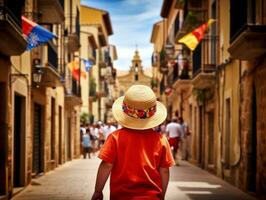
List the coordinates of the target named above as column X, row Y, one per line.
column 138, row 124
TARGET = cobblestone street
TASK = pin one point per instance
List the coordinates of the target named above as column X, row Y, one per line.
column 75, row 181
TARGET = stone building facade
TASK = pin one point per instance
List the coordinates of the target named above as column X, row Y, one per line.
column 40, row 117
column 221, row 93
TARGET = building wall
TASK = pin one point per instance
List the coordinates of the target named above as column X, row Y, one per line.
column 251, row 168
column 92, row 16
column 260, row 85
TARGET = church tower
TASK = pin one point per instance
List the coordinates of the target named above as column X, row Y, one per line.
column 135, row 76
column 136, row 63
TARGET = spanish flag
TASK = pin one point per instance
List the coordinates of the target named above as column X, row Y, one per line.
column 73, row 66
column 192, row 39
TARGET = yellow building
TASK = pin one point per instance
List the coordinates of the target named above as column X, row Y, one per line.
column 135, row 76
column 33, row 86
column 220, row 93
column 97, row 22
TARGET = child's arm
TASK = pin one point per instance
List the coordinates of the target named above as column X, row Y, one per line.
column 102, row 176
column 164, row 172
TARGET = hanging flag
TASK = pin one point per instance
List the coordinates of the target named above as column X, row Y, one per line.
column 88, row 64
column 35, row 34
column 191, row 40
column 73, row 66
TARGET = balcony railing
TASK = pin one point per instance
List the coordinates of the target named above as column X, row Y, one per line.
column 14, row 16
column 13, row 42
column 205, row 55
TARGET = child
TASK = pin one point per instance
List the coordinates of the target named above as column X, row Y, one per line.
column 137, row 157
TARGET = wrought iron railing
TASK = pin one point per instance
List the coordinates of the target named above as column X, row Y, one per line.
column 8, row 14
column 205, row 55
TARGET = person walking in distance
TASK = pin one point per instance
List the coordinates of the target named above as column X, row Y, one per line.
column 136, row 156
column 184, row 139
column 86, row 143
column 174, row 133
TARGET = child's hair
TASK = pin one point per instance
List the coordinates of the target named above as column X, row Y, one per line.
column 88, row 130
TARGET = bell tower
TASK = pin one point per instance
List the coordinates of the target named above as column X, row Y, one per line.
column 136, row 66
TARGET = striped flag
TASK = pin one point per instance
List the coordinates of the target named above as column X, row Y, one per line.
column 73, row 66
column 191, row 40
column 35, row 34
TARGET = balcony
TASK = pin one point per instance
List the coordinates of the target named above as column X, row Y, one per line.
column 204, row 63
column 182, row 82
column 72, row 100
column 205, row 77
column 73, row 43
column 12, row 42
column 52, row 11
column 73, row 96
column 250, row 43
column 49, row 61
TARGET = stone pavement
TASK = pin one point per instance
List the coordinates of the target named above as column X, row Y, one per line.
column 75, row 181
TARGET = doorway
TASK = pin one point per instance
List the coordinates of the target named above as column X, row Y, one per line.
column 37, row 153
column 201, row 138
column 68, row 139
column 211, row 148
column 3, row 138
column 19, row 141
column 60, row 136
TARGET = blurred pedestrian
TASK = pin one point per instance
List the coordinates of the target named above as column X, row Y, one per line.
column 174, row 133
column 86, row 143
column 82, row 131
column 137, row 157
column 108, row 129
column 95, row 135
column 184, row 139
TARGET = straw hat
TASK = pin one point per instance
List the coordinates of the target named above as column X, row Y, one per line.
column 139, row 109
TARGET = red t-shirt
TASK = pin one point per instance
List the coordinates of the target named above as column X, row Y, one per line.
column 136, row 156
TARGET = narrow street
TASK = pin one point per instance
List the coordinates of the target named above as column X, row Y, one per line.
column 75, row 181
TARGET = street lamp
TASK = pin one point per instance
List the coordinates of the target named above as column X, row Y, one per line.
column 37, row 72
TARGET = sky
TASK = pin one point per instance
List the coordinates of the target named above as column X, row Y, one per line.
column 132, row 22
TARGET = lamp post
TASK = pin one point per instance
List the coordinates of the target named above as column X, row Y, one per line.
column 37, row 72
